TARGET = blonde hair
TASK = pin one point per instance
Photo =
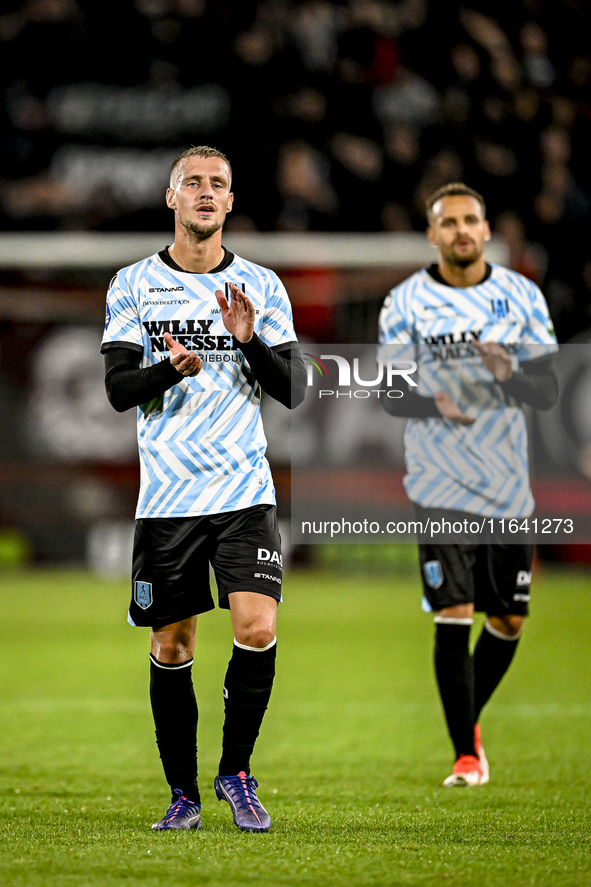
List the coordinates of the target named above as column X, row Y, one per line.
column 453, row 189
column 199, row 151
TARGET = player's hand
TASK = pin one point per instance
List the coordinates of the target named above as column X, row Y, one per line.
column 450, row 410
column 186, row 362
column 238, row 317
column 496, row 359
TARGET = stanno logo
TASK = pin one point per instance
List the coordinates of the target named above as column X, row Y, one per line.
column 523, row 579
column 266, row 576
column 438, row 309
column 166, row 289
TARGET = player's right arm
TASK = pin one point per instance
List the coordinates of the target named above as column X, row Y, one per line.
column 127, row 383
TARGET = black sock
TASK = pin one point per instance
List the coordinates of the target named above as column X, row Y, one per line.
column 455, row 677
column 174, row 708
column 247, row 689
column 492, row 658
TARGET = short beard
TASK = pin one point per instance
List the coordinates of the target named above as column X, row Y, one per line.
column 201, row 233
column 463, row 261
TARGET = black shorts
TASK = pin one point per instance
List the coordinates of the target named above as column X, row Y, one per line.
column 171, row 558
column 495, row 578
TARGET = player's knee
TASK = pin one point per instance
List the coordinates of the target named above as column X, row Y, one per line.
column 173, row 645
column 256, row 634
column 513, row 624
column 172, row 654
column 457, row 612
column 510, row 624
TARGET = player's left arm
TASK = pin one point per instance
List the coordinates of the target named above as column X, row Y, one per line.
column 239, row 315
column 279, row 369
column 535, row 382
column 128, row 384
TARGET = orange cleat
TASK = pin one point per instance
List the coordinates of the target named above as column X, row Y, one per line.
column 467, row 771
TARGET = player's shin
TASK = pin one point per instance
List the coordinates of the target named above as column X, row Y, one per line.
column 247, row 690
column 174, row 708
column 455, row 679
column 493, row 655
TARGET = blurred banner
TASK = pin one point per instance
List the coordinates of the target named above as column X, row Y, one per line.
column 69, row 472
column 513, row 474
column 68, row 461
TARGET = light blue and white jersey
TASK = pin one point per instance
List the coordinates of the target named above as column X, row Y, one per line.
column 481, row 468
column 201, row 443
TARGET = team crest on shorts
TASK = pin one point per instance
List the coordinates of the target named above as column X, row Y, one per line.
column 433, row 574
column 142, row 594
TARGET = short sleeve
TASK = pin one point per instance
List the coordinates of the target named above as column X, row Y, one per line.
column 277, row 325
column 122, row 318
column 540, row 327
column 538, row 336
column 395, row 324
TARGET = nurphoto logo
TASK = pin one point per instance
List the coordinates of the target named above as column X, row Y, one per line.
column 388, row 369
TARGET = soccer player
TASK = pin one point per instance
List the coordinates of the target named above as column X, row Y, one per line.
column 193, row 334
column 483, row 343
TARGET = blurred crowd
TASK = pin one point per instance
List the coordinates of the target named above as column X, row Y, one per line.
column 337, row 116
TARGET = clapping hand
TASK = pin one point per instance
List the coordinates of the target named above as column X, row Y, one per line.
column 238, row 317
column 188, row 363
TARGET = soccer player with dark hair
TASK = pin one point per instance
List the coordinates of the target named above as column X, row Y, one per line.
column 193, row 334
column 483, row 343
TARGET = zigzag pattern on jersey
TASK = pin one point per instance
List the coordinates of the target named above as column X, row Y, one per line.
column 410, row 312
column 481, row 468
column 202, row 444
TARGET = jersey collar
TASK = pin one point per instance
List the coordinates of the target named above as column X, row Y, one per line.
column 433, row 271
column 225, row 263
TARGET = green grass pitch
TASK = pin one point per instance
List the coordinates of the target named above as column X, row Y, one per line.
column 350, row 760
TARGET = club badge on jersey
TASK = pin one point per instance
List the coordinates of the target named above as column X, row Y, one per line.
column 500, row 308
column 239, row 283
